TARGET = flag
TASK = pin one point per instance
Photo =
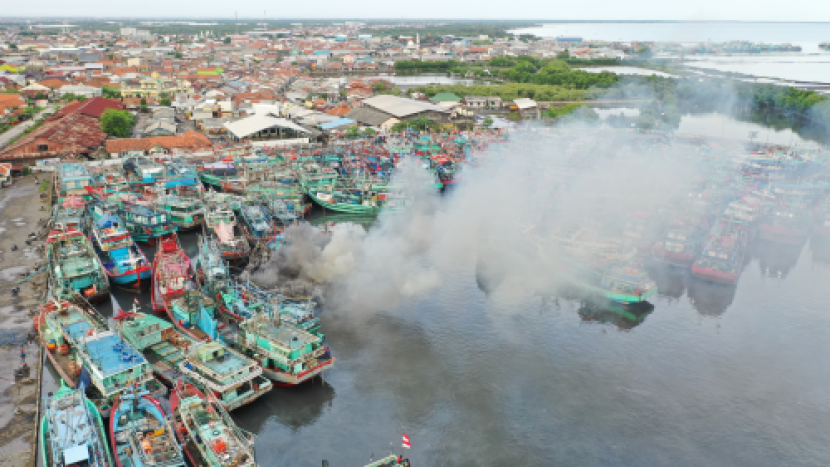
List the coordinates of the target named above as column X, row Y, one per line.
column 405, row 442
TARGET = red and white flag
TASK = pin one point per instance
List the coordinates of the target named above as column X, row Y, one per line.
column 405, row 442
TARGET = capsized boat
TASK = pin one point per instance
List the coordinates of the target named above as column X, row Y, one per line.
column 209, row 435
column 172, row 273
column 74, row 268
column 72, row 432
column 232, row 378
column 140, row 434
column 124, row 262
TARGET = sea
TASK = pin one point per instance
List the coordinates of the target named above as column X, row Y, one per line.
column 712, row 376
column 812, row 64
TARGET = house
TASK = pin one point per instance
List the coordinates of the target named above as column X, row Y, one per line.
column 445, row 97
column 406, row 109
column 475, row 102
column 524, row 106
column 160, row 128
column 71, row 134
column 189, row 141
column 80, row 90
column 372, row 118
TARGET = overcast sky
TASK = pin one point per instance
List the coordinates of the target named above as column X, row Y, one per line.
column 744, row 10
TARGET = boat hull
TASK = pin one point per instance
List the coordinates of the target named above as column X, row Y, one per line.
column 283, row 379
column 714, row 275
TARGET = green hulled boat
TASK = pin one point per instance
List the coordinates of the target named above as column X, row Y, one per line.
column 72, row 432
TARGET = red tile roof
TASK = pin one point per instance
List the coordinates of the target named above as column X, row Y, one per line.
column 92, row 107
column 189, row 140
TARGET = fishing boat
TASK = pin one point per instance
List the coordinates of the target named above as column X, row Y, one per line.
column 172, row 272
column 193, row 313
column 280, row 211
column 74, row 267
column 619, row 282
column 158, row 340
column 72, row 432
column 112, row 365
column 721, row 259
column 215, row 173
column 71, row 179
column 140, row 434
column 354, row 198
column 209, row 435
column 285, row 188
column 681, row 243
column 124, row 262
column 288, row 355
column 142, row 172
column 211, row 270
column 70, row 212
column 60, row 324
column 186, row 213
column 146, row 224
column 220, row 221
column 233, row 379
column 258, row 224
column 109, row 181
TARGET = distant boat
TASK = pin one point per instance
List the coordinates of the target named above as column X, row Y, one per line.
column 171, row 273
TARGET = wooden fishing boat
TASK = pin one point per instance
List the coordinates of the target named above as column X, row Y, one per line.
column 124, row 262
column 209, row 435
column 74, row 268
column 232, row 378
column 140, row 434
column 72, row 432
column 172, row 272
column 721, row 259
column 220, row 221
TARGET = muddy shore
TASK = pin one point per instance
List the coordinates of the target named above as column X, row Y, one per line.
column 22, row 212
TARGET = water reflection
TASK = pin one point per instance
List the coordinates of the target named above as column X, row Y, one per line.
column 624, row 318
column 293, row 407
column 775, row 260
column 708, row 298
column 671, row 280
column 820, row 249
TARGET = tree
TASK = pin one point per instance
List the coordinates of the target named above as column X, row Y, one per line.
column 143, row 104
column 178, row 55
column 400, row 126
column 117, row 123
column 111, row 93
column 369, row 132
column 227, row 40
column 165, row 101
column 352, row 132
column 563, row 55
column 487, row 123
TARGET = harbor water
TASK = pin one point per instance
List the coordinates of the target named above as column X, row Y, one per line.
column 714, row 375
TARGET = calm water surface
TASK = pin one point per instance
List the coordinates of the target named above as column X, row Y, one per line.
column 713, row 376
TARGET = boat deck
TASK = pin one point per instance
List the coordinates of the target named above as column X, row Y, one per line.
column 113, row 355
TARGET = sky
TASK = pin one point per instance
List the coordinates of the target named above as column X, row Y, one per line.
column 719, row 10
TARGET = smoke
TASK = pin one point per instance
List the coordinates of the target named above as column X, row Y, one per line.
column 502, row 223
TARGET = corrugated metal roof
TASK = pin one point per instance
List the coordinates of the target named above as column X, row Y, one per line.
column 256, row 123
column 337, row 123
column 401, row 107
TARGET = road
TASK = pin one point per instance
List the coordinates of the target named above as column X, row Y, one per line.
column 6, row 137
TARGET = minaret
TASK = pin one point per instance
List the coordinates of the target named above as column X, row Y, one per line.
column 418, row 40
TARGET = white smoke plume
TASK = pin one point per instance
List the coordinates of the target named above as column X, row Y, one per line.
column 541, row 184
